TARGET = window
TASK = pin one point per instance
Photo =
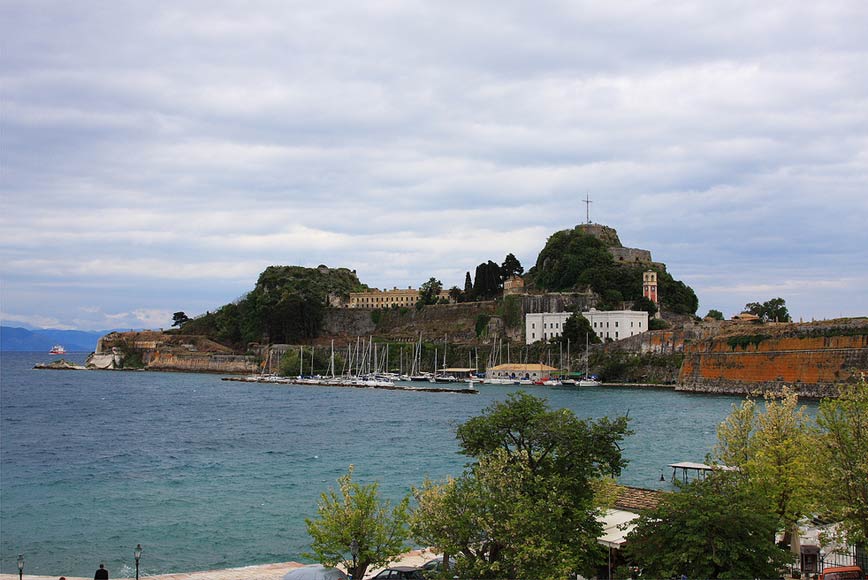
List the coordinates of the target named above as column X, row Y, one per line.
column 616, row 334
column 631, row 325
column 533, row 324
column 533, row 335
column 616, row 324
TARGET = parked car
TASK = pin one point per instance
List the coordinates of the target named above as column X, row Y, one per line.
column 400, row 573
column 436, row 565
column 843, row 573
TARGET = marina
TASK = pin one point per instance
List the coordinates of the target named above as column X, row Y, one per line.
column 209, row 474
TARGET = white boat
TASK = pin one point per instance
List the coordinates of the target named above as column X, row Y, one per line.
column 57, row 349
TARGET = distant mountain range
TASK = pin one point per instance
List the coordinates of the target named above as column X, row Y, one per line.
column 21, row 339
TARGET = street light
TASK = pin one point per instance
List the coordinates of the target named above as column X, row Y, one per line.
column 137, row 553
column 354, row 550
column 20, row 566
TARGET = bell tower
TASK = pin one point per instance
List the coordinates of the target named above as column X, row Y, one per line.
column 649, row 286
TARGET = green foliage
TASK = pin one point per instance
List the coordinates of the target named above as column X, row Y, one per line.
column 576, row 327
column 646, row 304
column 775, row 453
column 482, row 323
column 355, row 512
column 286, row 305
column 468, row 286
column 511, row 267
column 509, row 311
column 376, row 316
column 773, row 310
column 843, row 445
column 456, row 295
column 573, row 259
column 488, row 282
column 429, row 291
column 657, row 324
column 745, row 340
column 131, row 356
column 712, row 528
column 179, row 318
column 715, row 314
column 525, row 509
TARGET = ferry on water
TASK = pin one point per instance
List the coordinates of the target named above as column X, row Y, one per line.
column 57, row 349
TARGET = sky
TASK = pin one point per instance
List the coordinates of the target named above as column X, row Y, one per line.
column 157, row 156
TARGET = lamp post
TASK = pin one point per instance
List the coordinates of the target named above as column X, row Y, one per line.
column 20, row 566
column 354, row 550
column 137, row 553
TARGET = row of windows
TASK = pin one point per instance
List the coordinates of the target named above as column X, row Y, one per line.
column 546, row 335
column 616, row 324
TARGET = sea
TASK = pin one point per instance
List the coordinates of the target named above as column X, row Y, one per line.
column 208, row 474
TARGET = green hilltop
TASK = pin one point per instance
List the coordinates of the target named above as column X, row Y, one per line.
column 286, row 305
column 585, row 258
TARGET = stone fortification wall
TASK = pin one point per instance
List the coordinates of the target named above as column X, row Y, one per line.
column 557, row 302
column 457, row 321
column 631, row 255
column 341, row 322
column 751, row 364
column 200, row 363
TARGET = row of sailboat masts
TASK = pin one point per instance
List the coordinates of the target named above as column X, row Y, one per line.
column 365, row 357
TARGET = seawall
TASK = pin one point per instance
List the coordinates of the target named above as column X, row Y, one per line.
column 811, row 360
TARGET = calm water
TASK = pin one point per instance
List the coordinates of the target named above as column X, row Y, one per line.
column 210, row 474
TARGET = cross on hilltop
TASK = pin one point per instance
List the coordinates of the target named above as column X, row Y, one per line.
column 587, row 201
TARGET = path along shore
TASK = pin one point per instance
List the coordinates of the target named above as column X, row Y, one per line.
column 262, row 572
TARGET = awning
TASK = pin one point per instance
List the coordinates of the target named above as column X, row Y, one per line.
column 613, row 521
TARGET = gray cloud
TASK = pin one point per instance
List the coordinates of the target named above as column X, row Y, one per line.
column 163, row 154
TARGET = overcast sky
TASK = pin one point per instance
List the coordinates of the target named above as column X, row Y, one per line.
column 157, row 156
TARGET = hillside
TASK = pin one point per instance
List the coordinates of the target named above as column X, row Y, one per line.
column 286, row 305
column 591, row 256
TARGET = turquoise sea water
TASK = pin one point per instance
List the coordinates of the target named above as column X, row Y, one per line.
column 211, row 474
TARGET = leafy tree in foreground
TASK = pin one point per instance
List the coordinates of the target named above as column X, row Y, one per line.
column 356, row 513
column 712, row 528
column 774, row 451
column 844, row 460
column 526, row 508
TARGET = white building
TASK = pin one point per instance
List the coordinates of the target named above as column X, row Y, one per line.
column 608, row 324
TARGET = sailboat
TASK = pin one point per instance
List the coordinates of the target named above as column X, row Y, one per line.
column 586, row 380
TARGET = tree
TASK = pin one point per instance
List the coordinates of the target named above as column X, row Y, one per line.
column 773, row 451
column 179, row 318
column 456, row 295
column 526, row 507
column 715, row 314
column 355, row 513
column 843, row 460
column 488, row 282
column 576, row 327
column 468, row 286
column 429, row 292
column 511, row 267
column 712, row 528
column 775, row 310
column 646, row 304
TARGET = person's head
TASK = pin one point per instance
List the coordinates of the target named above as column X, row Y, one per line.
column 101, row 565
